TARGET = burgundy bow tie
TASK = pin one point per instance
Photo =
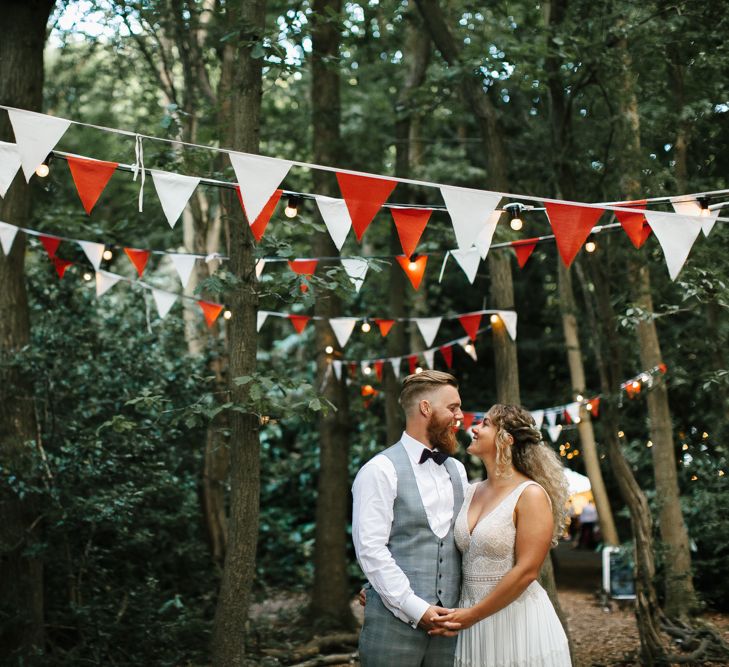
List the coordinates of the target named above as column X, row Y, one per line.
column 438, row 457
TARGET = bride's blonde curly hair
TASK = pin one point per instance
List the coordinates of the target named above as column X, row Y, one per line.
column 531, row 457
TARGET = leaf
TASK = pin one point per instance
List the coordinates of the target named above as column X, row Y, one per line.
column 315, row 404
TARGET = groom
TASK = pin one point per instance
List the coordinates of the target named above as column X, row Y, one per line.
column 406, row 500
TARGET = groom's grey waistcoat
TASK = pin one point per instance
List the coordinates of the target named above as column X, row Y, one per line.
column 432, row 564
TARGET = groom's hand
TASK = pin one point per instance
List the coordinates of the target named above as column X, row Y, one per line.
column 430, row 619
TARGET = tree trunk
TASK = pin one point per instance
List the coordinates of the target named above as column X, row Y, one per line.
column 240, row 110
column 330, row 594
column 21, row 584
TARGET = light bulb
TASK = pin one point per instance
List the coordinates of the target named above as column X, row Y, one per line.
column 42, row 170
column 649, row 444
column 579, row 397
column 418, row 370
column 292, row 207
column 494, row 318
column 703, row 202
column 590, row 246
column 87, row 276
column 468, row 348
column 516, row 223
column 589, row 407
column 621, row 434
column 366, row 327
column 328, row 349
column 107, row 254
column 227, row 314
column 635, row 384
column 412, row 266
column 367, row 370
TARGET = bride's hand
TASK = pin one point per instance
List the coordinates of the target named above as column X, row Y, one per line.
column 458, row 619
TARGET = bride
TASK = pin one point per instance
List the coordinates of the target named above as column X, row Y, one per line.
column 504, row 531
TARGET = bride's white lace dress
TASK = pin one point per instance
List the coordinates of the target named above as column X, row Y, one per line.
column 525, row 633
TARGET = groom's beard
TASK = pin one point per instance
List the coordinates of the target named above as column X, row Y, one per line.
column 442, row 436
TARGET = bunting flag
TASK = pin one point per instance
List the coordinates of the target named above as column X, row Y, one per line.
column 410, row 223
column 594, row 406
column 573, row 411
column 385, row 326
column 412, row 363
column 538, row 418
column 90, row 177
column 470, row 350
column 299, row 322
column 36, row 135
column 164, row 301
column 469, row 261
column 184, row 264
column 258, row 177
column 428, row 327
column 342, row 328
column 447, row 352
column 483, row 240
column 261, row 317
column 337, row 366
column 61, row 265
column 571, row 226
column 9, row 165
column 336, row 217
column 174, row 191
column 379, row 367
column 551, row 416
column 395, row 363
column 260, row 264
column 414, row 268
column 258, row 226
column 676, row 234
column 7, row 236
column 304, row 268
column 210, row 311
column 471, row 324
column 139, row 258
column 468, row 418
column 429, row 356
column 470, row 212
column 356, row 269
column 105, row 281
column 524, row 250
column 364, row 195
column 508, row 317
column 634, row 224
column 94, row 252
column 692, row 207
column 50, row 243
column 554, row 432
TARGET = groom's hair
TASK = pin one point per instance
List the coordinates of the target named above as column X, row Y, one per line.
column 418, row 385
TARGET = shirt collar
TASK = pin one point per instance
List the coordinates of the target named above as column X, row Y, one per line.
column 413, row 447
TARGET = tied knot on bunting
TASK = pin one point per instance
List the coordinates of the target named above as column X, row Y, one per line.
column 438, row 457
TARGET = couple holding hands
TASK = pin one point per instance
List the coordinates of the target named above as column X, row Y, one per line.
column 452, row 566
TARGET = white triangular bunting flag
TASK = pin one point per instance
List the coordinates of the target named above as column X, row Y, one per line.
column 554, row 432
column 342, row 328
column 94, row 252
column 551, row 416
column 395, row 363
column 35, row 135
column 261, row 317
column 468, row 347
column 258, row 177
column 336, row 217
column 676, row 234
column 573, row 410
column 428, row 327
column 9, row 165
column 337, row 366
column 538, row 418
column 508, row 317
column 692, row 207
column 429, row 357
column 483, row 241
column 164, row 301
column 356, row 269
column 184, row 265
column 468, row 261
column 260, row 264
column 174, row 191
column 105, row 281
column 470, row 212
column 7, row 236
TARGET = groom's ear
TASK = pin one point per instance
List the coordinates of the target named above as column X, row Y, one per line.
column 425, row 407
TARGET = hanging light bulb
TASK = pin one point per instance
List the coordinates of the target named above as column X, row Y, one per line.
column 292, row 207
column 44, row 168
column 329, row 349
column 590, row 246
column 87, row 276
column 418, row 370
column 514, row 210
column 495, row 319
column 703, row 202
column 468, row 348
column 107, row 255
column 413, row 265
column 227, row 314
column 367, row 370
column 366, row 327
column 579, row 397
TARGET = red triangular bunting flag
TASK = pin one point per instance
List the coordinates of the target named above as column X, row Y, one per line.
column 412, row 362
column 258, row 226
column 524, row 250
column 468, row 418
column 471, row 324
column 50, row 243
column 414, row 269
column 571, row 226
column 139, row 258
column 378, row 369
column 447, row 352
column 566, row 417
column 410, row 223
column 365, row 196
column 210, row 311
column 385, row 326
column 595, row 406
column 90, row 177
column 352, row 369
column 304, row 268
column 61, row 265
column 634, row 224
column 299, row 321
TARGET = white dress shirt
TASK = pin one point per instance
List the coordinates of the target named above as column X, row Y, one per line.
column 374, row 491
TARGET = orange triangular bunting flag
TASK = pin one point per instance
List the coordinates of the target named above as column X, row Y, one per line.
column 414, row 268
column 210, row 311
column 595, row 403
column 634, row 224
column 412, row 362
column 471, row 324
column 468, row 418
column 385, row 326
column 258, row 226
column 299, row 322
column 571, row 226
column 61, row 265
column 364, row 195
column 447, row 352
column 50, row 243
column 139, row 258
column 523, row 250
column 410, row 223
column 378, row 369
column 90, row 177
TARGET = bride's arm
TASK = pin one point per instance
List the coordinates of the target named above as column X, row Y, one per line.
column 534, row 526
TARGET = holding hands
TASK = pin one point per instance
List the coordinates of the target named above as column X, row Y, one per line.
column 448, row 624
